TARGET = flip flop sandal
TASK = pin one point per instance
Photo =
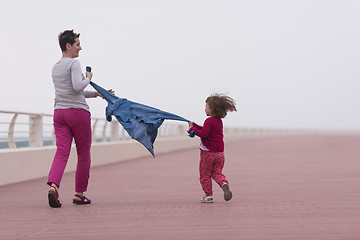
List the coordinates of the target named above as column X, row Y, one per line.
column 53, row 197
column 83, row 200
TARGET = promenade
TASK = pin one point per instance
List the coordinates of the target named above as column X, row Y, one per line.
column 284, row 188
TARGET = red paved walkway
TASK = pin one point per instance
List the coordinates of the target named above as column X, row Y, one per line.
column 285, row 188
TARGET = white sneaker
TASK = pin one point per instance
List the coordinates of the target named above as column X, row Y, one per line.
column 207, row 199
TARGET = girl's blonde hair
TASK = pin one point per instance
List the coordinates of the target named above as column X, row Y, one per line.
column 220, row 105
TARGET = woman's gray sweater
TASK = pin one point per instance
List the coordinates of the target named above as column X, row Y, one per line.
column 69, row 83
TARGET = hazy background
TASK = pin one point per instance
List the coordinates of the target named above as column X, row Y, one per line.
column 288, row 64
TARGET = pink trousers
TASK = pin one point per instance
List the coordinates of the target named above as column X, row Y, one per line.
column 68, row 124
column 211, row 166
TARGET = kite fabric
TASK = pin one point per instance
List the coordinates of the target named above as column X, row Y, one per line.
column 140, row 121
column 191, row 134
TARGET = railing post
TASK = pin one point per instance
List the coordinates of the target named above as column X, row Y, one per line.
column 122, row 134
column 182, row 129
column 162, row 130
column 36, row 131
column 11, row 132
column 104, row 132
column 114, row 131
column 93, row 131
column 53, row 136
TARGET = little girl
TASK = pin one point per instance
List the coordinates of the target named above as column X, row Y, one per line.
column 212, row 145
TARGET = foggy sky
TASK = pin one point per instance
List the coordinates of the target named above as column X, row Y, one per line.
column 288, row 64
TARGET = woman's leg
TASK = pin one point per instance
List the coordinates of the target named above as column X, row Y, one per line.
column 63, row 143
column 81, row 127
column 205, row 169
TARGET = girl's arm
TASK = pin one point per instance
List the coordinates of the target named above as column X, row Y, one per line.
column 194, row 125
column 204, row 131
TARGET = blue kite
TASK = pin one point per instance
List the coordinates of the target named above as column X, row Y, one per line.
column 140, row 121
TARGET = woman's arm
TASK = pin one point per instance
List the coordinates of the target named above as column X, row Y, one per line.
column 79, row 82
column 94, row 94
column 91, row 94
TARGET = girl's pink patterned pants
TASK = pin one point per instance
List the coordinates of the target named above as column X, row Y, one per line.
column 211, row 166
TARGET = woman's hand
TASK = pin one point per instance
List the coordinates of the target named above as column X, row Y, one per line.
column 99, row 95
column 191, row 124
column 88, row 75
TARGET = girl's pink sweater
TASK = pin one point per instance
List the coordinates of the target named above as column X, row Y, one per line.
column 211, row 134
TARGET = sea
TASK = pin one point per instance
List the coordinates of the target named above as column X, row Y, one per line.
column 24, row 142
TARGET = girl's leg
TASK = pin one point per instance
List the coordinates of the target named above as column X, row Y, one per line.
column 63, row 144
column 219, row 178
column 205, row 169
column 217, row 175
column 81, row 127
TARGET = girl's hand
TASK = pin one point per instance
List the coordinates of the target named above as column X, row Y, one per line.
column 191, row 124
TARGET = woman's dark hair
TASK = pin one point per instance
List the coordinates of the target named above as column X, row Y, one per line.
column 68, row 36
column 220, row 104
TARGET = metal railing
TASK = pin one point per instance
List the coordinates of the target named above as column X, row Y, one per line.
column 23, row 129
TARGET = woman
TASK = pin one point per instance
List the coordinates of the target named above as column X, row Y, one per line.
column 71, row 119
